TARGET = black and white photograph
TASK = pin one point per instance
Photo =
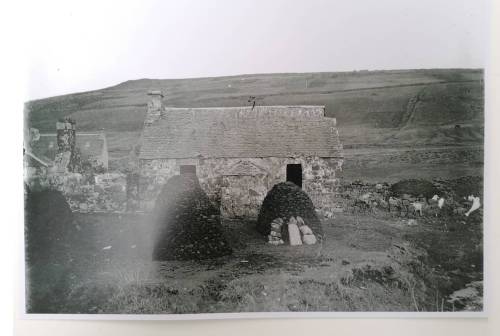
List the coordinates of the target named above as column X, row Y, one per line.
column 200, row 158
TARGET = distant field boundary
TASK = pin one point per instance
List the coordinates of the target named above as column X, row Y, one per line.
column 356, row 89
column 389, row 151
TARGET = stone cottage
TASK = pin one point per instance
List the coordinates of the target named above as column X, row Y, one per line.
column 239, row 153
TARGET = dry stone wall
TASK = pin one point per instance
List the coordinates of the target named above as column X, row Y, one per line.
column 378, row 200
column 99, row 193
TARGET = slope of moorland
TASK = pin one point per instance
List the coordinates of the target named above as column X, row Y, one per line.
column 375, row 109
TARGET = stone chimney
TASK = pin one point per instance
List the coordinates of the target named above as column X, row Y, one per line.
column 155, row 107
column 66, row 135
column 65, row 160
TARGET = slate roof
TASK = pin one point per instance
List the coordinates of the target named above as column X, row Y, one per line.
column 91, row 145
column 264, row 131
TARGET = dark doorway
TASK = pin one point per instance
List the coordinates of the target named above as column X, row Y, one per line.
column 188, row 169
column 294, row 174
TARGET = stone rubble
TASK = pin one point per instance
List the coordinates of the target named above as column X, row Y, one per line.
column 294, row 233
column 309, row 239
column 406, row 199
column 298, row 232
column 308, row 236
column 274, row 237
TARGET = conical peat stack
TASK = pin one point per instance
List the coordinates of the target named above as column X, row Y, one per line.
column 187, row 223
column 48, row 226
column 287, row 200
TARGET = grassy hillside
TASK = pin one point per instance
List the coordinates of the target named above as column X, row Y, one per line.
column 374, row 109
column 378, row 99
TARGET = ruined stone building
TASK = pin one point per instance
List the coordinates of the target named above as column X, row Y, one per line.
column 239, row 153
column 59, row 151
column 75, row 164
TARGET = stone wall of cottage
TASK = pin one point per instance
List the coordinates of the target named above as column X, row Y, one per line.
column 239, row 185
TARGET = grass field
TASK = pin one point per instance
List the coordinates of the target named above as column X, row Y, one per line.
column 393, row 164
column 367, row 263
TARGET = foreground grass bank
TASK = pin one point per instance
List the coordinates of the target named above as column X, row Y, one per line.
column 366, row 263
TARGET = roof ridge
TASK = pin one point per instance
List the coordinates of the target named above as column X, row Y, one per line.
column 242, row 107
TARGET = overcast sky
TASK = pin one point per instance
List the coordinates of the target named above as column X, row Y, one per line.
column 88, row 45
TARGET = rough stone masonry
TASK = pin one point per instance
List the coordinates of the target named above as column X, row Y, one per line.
column 240, row 153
